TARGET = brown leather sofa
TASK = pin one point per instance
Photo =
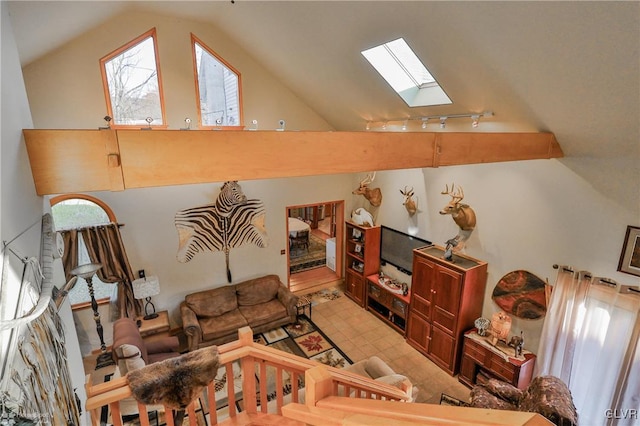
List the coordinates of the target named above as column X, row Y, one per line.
column 213, row 317
column 545, row 395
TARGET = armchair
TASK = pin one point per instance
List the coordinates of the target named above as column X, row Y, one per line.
column 132, row 352
column 545, row 395
column 376, row 369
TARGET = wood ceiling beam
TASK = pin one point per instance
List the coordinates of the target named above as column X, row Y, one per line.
column 64, row 161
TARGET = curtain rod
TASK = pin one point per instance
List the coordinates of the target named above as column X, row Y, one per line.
column 120, row 225
column 622, row 288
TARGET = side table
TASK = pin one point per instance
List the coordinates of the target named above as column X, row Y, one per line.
column 303, row 303
column 156, row 325
column 479, row 356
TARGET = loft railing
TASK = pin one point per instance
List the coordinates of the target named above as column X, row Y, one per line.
column 331, row 396
column 255, row 360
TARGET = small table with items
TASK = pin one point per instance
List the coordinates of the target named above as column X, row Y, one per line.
column 482, row 360
column 303, row 303
column 155, row 325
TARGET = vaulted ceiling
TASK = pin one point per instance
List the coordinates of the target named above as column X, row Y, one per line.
column 571, row 68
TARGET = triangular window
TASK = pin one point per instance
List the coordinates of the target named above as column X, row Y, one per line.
column 407, row 75
column 217, row 87
column 133, row 87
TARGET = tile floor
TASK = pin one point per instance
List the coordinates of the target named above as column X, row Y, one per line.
column 359, row 334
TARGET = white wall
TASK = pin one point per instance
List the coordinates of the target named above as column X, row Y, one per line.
column 530, row 215
column 21, row 207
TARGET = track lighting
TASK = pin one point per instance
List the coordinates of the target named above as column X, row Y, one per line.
column 442, row 120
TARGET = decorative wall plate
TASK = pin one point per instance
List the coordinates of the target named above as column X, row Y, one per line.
column 521, row 294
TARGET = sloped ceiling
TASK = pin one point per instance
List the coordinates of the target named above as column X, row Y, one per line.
column 571, row 68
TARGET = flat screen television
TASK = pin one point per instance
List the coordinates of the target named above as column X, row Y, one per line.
column 397, row 247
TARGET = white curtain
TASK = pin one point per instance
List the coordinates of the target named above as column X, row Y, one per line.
column 590, row 341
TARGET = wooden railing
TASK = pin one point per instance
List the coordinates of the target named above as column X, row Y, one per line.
column 331, row 396
column 255, row 360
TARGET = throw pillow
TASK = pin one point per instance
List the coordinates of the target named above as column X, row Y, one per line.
column 392, row 379
column 258, row 290
column 131, row 358
column 213, row 303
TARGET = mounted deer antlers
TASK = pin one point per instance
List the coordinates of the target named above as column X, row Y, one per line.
column 462, row 215
column 374, row 196
column 409, row 203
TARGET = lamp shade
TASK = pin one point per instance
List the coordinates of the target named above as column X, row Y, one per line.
column 146, row 287
column 87, row 270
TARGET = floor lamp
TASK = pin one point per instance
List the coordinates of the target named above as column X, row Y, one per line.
column 87, row 272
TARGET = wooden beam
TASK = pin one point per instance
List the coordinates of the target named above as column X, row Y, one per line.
column 65, row 161
column 474, row 148
column 169, row 158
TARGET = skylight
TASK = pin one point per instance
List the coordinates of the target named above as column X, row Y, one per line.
column 406, row 74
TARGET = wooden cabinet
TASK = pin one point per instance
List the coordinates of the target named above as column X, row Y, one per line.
column 389, row 306
column 362, row 248
column 480, row 359
column 446, row 298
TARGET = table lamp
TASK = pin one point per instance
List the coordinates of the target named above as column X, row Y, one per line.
column 87, row 272
column 145, row 288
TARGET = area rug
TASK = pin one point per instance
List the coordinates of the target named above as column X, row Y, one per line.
column 304, row 339
column 325, row 295
column 303, row 260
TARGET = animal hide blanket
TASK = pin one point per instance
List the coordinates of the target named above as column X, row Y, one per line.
column 175, row 382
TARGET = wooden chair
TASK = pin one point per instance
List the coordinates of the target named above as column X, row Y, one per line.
column 299, row 241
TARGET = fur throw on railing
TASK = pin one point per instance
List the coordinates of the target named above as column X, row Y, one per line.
column 175, row 382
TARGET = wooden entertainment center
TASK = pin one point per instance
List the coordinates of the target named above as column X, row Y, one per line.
column 362, row 248
column 387, row 303
column 443, row 302
column 446, row 299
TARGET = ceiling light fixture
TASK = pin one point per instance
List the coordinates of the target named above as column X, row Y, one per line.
column 442, row 119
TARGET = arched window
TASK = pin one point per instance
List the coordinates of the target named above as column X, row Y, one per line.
column 133, row 84
column 74, row 211
column 218, row 89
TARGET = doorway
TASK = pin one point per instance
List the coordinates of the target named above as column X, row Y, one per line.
column 314, row 253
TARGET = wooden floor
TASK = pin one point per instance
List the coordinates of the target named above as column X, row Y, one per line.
column 317, row 278
column 313, row 280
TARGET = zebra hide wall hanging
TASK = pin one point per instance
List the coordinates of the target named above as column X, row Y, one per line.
column 230, row 222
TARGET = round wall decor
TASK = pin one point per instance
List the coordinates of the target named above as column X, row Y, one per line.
column 521, row 294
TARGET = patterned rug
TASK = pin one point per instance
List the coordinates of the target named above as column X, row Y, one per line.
column 304, row 339
column 303, row 260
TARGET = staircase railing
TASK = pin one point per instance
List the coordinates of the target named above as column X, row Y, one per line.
column 331, row 396
column 258, row 364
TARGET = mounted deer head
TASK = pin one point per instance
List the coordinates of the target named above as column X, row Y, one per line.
column 462, row 214
column 409, row 203
column 374, row 196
